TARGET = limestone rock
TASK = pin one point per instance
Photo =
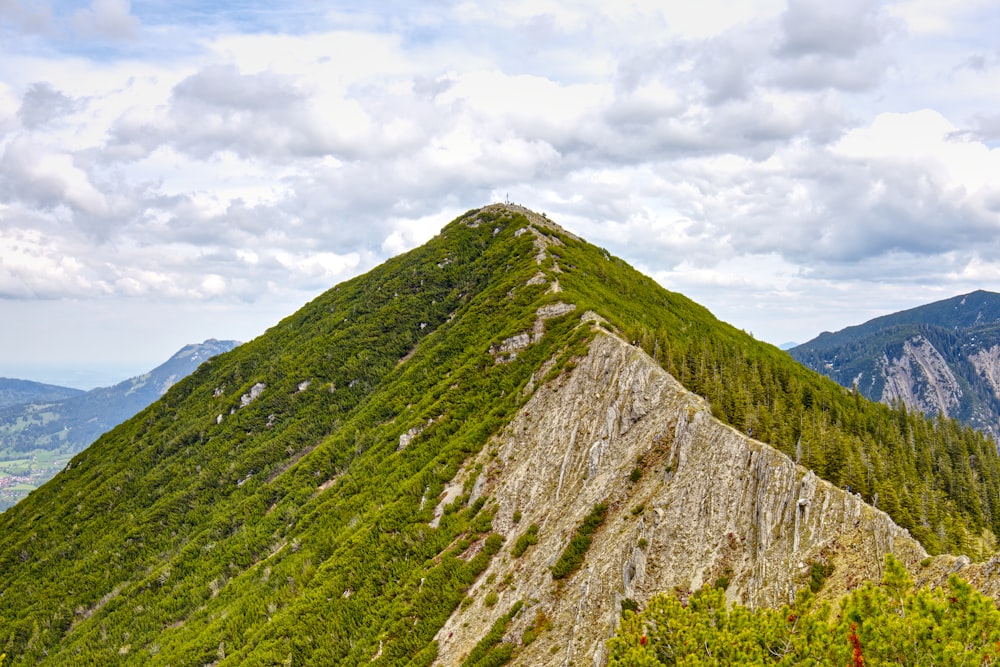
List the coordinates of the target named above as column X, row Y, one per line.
column 708, row 502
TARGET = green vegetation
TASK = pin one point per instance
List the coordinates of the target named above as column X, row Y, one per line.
column 281, row 504
column 540, row 624
column 885, row 624
column 525, row 540
column 490, row 652
column 572, row 556
column 818, row 574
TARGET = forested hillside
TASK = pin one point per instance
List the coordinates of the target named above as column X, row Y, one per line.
column 285, row 503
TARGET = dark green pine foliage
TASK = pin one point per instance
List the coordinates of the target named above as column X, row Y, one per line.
column 263, row 511
column 573, row 555
column 887, row 624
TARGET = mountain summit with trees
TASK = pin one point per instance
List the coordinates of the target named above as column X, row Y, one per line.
column 483, row 451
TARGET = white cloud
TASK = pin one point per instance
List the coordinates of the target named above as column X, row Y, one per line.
column 409, row 233
column 27, row 17
column 931, row 16
column 48, row 178
column 107, row 18
column 318, row 269
column 213, row 285
column 32, row 267
column 928, row 138
column 765, row 150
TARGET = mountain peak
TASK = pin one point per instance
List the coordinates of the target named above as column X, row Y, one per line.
column 504, row 433
column 201, row 351
column 541, row 220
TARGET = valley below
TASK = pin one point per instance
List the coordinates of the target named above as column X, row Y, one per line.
column 21, row 475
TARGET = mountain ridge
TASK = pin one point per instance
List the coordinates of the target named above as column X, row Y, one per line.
column 342, row 489
column 673, row 528
column 14, row 391
column 940, row 358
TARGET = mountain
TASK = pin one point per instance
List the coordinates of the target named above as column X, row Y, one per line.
column 941, row 358
column 479, row 452
column 38, row 437
column 15, row 392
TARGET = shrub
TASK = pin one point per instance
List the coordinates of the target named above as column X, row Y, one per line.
column 572, row 556
column 525, row 540
column 818, row 572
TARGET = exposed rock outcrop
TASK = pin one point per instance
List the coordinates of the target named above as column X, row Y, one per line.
column 921, row 378
column 987, row 364
column 690, row 500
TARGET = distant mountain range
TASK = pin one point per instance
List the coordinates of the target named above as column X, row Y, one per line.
column 941, row 358
column 42, row 425
column 17, row 392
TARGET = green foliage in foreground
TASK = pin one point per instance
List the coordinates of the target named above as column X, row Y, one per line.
column 572, row 556
column 885, row 624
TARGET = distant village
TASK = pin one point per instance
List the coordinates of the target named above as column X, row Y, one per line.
column 14, row 487
column 12, row 480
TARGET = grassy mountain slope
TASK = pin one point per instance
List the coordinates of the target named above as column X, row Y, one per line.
column 38, row 437
column 281, row 504
column 936, row 358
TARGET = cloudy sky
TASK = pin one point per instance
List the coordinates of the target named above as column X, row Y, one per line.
column 174, row 170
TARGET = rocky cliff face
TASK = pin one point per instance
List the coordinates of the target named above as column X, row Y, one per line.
column 941, row 358
column 921, row 378
column 690, row 501
column 987, row 364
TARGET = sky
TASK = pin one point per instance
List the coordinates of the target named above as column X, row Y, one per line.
column 172, row 171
